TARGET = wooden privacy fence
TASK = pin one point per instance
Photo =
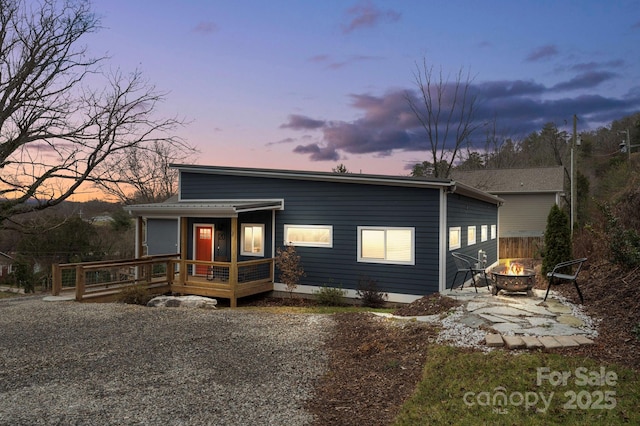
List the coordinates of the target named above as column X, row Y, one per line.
column 105, row 281
column 520, row 247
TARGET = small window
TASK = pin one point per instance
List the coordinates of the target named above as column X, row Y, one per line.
column 252, row 240
column 484, row 234
column 308, row 235
column 493, row 232
column 454, row 237
column 471, row 235
column 386, row 245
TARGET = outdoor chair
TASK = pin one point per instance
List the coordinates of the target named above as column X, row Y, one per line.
column 468, row 265
column 566, row 271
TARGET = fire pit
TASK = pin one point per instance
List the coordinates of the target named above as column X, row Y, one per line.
column 513, row 277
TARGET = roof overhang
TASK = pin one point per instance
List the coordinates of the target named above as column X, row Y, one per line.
column 358, row 178
column 212, row 208
column 469, row 191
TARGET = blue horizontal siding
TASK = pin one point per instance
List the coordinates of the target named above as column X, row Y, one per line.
column 345, row 206
column 464, row 212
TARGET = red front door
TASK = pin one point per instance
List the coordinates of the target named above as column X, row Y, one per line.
column 204, row 246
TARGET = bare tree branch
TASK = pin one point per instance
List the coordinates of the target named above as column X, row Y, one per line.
column 64, row 122
column 446, row 112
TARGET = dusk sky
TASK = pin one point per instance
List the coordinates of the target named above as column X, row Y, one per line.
column 310, row 84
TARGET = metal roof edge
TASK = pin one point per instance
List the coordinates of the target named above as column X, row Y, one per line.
column 370, row 179
column 469, row 191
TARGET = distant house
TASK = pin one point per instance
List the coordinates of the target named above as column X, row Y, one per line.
column 227, row 223
column 6, row 265
column 528, row 194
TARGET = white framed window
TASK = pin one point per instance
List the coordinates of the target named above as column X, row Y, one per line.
column 471, row 235
column 493, row 232
column 455, row 237
column 484, row 233
column 252, row 239
column 308, row 235
column 379, row 244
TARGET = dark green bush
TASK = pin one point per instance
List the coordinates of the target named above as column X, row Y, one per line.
column 624, row 243
column 330, row 296
column 557, row 239
column 369, row 293
column 135, row 295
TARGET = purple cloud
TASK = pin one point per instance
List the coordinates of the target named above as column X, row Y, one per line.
column 585, row 80
column 318, row 153
column 367, row 15
column 542, row 52
column 205, row 27
column 387, row 124
column 300, row 122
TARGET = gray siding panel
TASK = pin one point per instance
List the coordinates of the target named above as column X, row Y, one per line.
column 525, row 215
column 345, row 206
column 162, row 236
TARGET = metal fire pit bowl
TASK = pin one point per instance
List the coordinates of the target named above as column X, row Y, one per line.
column 505, row 280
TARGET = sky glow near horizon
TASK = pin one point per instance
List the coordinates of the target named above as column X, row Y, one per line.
column 307, row 85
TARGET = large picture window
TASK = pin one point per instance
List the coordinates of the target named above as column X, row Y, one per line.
column 386, row 245
column 252, row 240
column 308, row 235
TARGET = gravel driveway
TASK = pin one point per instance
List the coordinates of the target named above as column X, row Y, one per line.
column 71, row 363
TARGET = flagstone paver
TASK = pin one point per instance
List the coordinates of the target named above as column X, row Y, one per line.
column 514, row 342
column 570, row 320
column 567, row 341
column 532, row 342
column 494, row 340
column 549, row 342
column 583, row 340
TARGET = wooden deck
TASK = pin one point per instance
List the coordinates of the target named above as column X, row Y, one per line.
column 104, row 281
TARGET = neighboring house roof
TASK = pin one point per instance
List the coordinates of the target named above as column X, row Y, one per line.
column 371, row 179
column 524, row 180
column 5, row 258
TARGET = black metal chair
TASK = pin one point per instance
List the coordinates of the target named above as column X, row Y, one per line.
column 468, row 265
column 566, row 271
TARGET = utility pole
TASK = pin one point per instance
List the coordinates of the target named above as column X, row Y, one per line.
column 573, row 171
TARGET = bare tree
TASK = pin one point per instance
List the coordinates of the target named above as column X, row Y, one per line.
column 142, row 174
column 446, row 112
column 57, row 130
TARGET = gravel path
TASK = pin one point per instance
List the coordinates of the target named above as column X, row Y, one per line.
column 88, row 364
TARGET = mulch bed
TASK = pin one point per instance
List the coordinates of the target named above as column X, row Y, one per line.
column 375, row 364
column 611, row 295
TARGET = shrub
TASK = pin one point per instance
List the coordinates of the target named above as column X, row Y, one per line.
column 557, row 239
column 291, row 270
column 624, row 243
column 330, row 296
column 135, row 295
column 369, row 293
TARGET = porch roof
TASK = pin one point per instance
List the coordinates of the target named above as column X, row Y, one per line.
column 212, row 208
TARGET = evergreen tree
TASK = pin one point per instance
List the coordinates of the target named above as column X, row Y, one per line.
column 557, row 239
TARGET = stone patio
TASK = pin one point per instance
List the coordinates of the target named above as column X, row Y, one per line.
column 518, row 321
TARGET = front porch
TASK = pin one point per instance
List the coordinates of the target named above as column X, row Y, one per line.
column 105, row 281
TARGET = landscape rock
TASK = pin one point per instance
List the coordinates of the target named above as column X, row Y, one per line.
column 183, row 302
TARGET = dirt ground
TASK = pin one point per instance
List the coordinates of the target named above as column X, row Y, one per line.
column 375, row 364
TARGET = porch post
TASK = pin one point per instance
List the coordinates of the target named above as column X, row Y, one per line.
column 139, row 237
column 233, row 270
column 183, row 251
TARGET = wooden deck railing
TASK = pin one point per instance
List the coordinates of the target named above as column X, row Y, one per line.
column 103, row 281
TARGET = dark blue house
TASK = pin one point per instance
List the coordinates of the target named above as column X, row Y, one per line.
column 227, row 223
